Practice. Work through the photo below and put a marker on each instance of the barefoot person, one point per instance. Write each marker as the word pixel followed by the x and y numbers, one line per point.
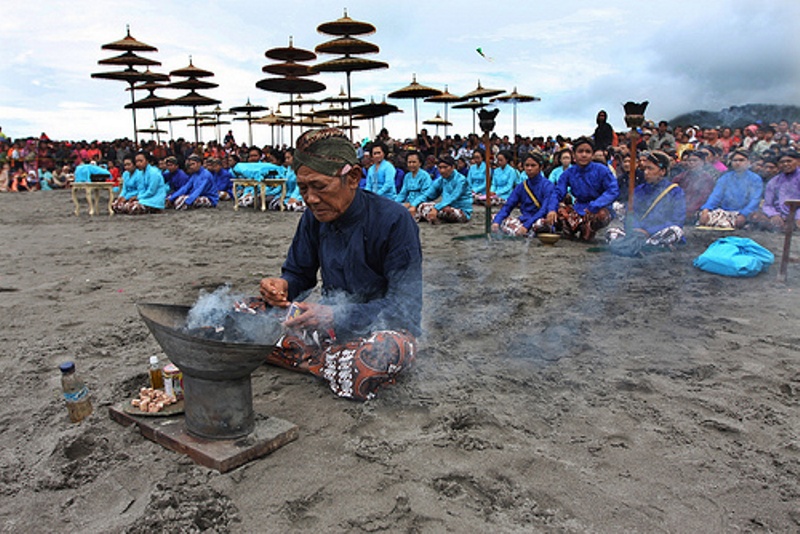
pixel 593 188
pixel 453 192
pixel 367 250
pixel 735 197
pixel 535 197
pixel 659 210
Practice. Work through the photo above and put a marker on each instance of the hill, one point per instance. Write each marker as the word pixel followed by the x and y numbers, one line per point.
pixel 739 116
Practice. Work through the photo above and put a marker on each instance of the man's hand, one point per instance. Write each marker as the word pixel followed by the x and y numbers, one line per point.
pixel 521 231
pixel 495 228
pixel 551 218
pixel 314 317
pixel 275 292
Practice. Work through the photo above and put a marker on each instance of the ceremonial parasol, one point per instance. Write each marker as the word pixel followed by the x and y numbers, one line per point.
pixel 481 92
pixel 438 121
pixel 473 105
pixel 345 28
pixel 249 109
pixel 446 98
pixel 288 68
pixel 151 101
pixel 290 53
pixel 129 59
pixel 192 98
pixel 192 83
pixel 217 112
pixel 169 118
pixel 128 45
pixel 342 98
pixel 373 111
pixel 415 91
pixel 513 98
pixel 152 130
pixel 290 83
pixel 273 119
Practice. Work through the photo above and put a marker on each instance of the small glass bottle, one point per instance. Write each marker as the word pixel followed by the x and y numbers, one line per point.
pixel 156 375
pixel 75 393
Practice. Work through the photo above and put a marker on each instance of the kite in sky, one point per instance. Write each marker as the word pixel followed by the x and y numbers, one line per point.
pixel 484 56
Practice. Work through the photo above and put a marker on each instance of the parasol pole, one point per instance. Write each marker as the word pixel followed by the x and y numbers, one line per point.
pixel 196 133
pixel 250 128
pixel 632 176
pixel 135 128
pixel 349 106
pixel 488 184
pixel 416 125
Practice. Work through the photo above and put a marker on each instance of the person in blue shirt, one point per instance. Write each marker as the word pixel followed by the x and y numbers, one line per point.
pixel 380 177
pixel 659 206
pixel 453 192
pixel 174 176
pixel 735 197
pixel 504 178
pixel 362 332
pixel 416 182
pixel 143 189
pixel 592 189
pixel 535 197
pixel 293 200
pixel 477 177
pixel 222 178
pixel 199 192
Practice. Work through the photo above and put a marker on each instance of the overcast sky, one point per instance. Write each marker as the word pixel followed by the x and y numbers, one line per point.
pixel 578 57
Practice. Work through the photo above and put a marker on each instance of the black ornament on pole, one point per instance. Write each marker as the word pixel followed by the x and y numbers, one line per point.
pixel 487 123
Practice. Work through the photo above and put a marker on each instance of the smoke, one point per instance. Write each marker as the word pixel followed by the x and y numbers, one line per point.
pixel 213 317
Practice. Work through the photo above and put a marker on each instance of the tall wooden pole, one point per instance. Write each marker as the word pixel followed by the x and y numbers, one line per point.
pixel 632 177
pixel 488 183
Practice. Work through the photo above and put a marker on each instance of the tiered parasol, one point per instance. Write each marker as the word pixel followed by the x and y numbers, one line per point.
pixel 438 121
pixel 217 112
pixel 152 130
pixel 415 91
pixel 446 98
pixel 193 98
pixel 349 46
pixel 151 101
pixel 513 98
pixel 169 118
pixel 128 45
pixel 273 119
pixel 294 75
pixel 373 111
pixel 249 109
pixel 473 105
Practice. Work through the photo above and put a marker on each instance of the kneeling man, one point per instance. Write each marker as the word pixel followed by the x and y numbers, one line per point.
pixel 366 248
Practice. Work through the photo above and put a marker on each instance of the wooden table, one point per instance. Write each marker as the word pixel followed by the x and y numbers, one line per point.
pixel 787 239
pixel 262 186
pixel 93 190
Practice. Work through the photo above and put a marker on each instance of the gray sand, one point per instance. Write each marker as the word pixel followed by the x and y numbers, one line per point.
pixel 557 390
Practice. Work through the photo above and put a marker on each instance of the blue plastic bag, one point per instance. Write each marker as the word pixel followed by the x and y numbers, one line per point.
pixel 735 256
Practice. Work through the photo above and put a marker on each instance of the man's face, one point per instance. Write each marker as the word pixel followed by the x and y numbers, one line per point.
pixel 583 155
pixel 769 169
pixel 214 167
pixel 662 128
pixel 253 156
pixel 740 163
pixel 787 164
pixel 328 197
pixel 652 172
pixel 599 157
pixel 172 166
pixel 192 166
pixel 140 161
pixel 694 163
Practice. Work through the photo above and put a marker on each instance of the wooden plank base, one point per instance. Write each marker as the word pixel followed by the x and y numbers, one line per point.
pixel 270 434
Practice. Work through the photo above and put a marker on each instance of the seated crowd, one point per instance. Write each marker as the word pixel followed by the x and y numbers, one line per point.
pixel 715 177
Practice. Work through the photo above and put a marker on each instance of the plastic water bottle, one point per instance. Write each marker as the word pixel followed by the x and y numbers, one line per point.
pixel 75 393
